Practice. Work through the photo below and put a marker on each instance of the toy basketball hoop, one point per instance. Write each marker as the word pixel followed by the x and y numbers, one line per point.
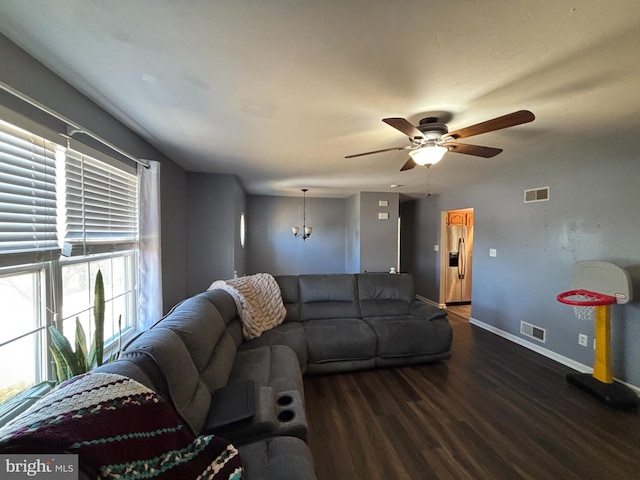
pixel 596 286
pixel 584 302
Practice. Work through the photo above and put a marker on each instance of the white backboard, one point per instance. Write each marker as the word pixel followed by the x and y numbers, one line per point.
pixel 602 277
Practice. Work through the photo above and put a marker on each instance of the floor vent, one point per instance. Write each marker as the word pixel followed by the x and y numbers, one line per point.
pixel 532 331
pixel 540 194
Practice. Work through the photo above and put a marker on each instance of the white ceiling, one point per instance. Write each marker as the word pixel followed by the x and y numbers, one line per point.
pixel 279 91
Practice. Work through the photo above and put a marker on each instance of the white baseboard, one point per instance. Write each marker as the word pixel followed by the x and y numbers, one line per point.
pixel 580 367
pixel 429 302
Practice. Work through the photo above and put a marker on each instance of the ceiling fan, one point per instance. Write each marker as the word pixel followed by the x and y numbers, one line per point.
pixel 431 139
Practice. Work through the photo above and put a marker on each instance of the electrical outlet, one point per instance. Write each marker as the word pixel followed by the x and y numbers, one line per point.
pixel 582 339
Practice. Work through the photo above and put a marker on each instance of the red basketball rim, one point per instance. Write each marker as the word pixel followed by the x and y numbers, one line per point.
pixel 595 300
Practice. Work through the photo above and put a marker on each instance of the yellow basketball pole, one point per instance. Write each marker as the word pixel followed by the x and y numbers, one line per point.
pixel 602 362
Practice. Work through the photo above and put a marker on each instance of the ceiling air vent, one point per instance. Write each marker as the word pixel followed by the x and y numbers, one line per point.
pixel 540 194
pixel 532 331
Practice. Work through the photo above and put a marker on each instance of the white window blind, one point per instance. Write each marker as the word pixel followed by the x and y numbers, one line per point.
pixel 28 230
pixel 100 207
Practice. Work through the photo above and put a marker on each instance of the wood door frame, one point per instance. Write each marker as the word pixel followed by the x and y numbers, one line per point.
pixel 443 256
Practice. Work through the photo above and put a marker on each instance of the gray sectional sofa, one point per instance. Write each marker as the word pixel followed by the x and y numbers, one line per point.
pixel 251 392
pixel 345 322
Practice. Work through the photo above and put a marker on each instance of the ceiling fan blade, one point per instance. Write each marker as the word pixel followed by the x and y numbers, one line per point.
pixel 509 120
pixel 404 126
pixel 378 151
pixel 477 150
pixel 408 165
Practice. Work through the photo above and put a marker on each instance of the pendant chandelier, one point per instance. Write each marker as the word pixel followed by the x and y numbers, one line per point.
pixel 306 230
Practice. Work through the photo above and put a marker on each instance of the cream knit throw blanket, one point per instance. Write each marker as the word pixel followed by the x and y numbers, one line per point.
pixel 258 300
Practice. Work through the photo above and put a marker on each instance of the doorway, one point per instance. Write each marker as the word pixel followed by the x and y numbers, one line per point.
pixel 456 261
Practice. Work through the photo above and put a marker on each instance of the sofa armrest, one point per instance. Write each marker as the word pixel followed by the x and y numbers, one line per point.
pixel 426 311
pixel 232 403
pixel 260 424
pixel 276 414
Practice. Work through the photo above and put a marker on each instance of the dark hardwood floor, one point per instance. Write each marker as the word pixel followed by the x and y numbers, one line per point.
pixel 495 410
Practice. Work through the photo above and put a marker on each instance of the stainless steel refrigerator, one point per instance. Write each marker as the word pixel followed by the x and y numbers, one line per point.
pixel 459 249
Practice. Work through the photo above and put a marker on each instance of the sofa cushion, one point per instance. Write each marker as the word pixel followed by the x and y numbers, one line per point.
pixel 223 302
pixel 409 335
pixel 339 339
pixel 290 334
pixel 163 356
pixel 328 296
pixel 277 458
pixel 290 291
pixel 382 294
pixel 226 307
pixel 275 366
pixel 203 331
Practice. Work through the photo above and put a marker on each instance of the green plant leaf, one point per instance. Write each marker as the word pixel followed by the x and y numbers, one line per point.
pixel 65 358
pixel 98 317
pixel 70 362
pixel 81 348
pixel 115 355
pixel 62 367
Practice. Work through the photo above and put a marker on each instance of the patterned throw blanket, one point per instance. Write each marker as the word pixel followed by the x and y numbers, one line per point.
pixel 120 430
pixel 258 300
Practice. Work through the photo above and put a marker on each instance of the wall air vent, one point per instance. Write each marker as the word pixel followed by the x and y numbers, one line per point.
pixel 540 194
pixel 532 331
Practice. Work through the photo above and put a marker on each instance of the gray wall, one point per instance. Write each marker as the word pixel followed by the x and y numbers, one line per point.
pixel 214 204
pixel 272 248
pixel 378 238
pixel 347 235
pixel 420 230
pixel 592 214
pixel 25 74
pixel 352 232
pixel 173 205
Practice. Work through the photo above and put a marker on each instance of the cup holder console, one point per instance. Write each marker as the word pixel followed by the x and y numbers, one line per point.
pixel 285 400
pixel 286 416
pixel 290 418
pixel 275 414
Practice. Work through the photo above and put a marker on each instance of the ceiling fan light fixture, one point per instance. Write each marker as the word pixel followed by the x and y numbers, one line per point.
pixel 428 155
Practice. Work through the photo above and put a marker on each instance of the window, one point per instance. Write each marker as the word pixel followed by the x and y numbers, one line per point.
pixel 78 278
pixel 243 230
pixel 28 223
pixel 99 212
pixel 63 216
pixel 22 329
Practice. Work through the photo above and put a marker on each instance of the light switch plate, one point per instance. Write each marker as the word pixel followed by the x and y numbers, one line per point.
pixel 383 215
pixel 493 252
pixel 436 248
